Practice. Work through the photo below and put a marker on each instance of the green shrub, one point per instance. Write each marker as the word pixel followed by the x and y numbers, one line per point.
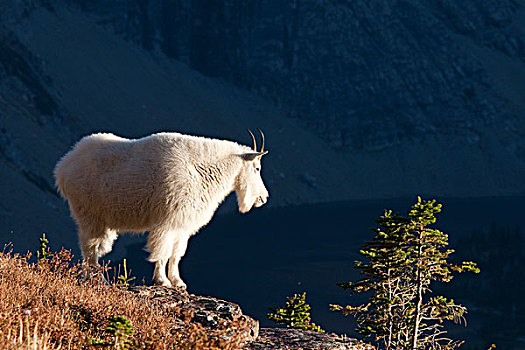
pixel 294 314
pixel 124 279
pixel 44 251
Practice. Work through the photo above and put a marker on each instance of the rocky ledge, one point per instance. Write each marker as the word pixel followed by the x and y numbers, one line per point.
pixel 292 339
pixel 211 312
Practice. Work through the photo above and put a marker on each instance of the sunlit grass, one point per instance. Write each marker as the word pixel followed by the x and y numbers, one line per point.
pixel 48 304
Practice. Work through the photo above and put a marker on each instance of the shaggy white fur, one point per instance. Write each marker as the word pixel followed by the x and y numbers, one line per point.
pixel 168 184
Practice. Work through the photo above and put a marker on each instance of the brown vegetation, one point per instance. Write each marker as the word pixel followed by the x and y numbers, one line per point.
pixel 48 305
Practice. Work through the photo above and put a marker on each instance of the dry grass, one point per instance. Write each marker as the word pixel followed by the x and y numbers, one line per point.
pixel 48 305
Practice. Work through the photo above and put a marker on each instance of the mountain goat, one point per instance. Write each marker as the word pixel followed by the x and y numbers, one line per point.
pixel 167 183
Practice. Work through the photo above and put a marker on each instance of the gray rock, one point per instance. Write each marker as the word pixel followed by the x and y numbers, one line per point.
pixel 206 310
pixel 210 311
pixel 291 339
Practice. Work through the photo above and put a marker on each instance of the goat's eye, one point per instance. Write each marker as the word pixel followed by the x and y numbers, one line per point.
pixel 257 169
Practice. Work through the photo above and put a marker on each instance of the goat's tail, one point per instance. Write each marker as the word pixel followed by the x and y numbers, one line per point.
pixel 60 180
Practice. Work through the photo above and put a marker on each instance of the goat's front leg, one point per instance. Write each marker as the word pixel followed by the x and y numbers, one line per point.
pixel 159 273
pixel 173 272
pixel 179 248
pixel 160 245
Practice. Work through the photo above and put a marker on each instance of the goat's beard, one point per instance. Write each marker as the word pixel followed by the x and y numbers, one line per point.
pixel 243 204
pixel 243 208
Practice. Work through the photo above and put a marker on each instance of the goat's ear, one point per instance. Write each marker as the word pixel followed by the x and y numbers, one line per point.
pixel 252 155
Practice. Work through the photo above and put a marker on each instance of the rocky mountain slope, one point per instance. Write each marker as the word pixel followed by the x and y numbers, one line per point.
pixel 357 99
pixel 364 75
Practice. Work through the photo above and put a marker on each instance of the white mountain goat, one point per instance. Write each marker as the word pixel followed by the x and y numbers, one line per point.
pixel 167 183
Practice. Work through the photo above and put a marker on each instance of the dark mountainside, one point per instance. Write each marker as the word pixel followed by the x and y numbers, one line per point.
pixel 63 76
pixel 365 76
pixel 358 99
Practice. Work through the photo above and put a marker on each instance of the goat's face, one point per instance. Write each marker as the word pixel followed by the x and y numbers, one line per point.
pixel 249 186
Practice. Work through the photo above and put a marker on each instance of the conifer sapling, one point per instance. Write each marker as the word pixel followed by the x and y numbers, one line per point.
pixel 294 314
pixel 400 263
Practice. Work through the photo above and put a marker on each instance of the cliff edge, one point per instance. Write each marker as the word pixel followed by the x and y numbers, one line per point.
pixel 209 312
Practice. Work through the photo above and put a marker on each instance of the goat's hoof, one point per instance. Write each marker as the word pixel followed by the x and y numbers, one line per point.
pixel 178 284
pixel 165 283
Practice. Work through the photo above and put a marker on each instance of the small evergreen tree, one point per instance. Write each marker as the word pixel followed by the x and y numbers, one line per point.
pixel 402 260
pixel 294 314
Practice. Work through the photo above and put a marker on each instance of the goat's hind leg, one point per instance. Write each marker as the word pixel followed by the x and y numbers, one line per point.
pixel 95 242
